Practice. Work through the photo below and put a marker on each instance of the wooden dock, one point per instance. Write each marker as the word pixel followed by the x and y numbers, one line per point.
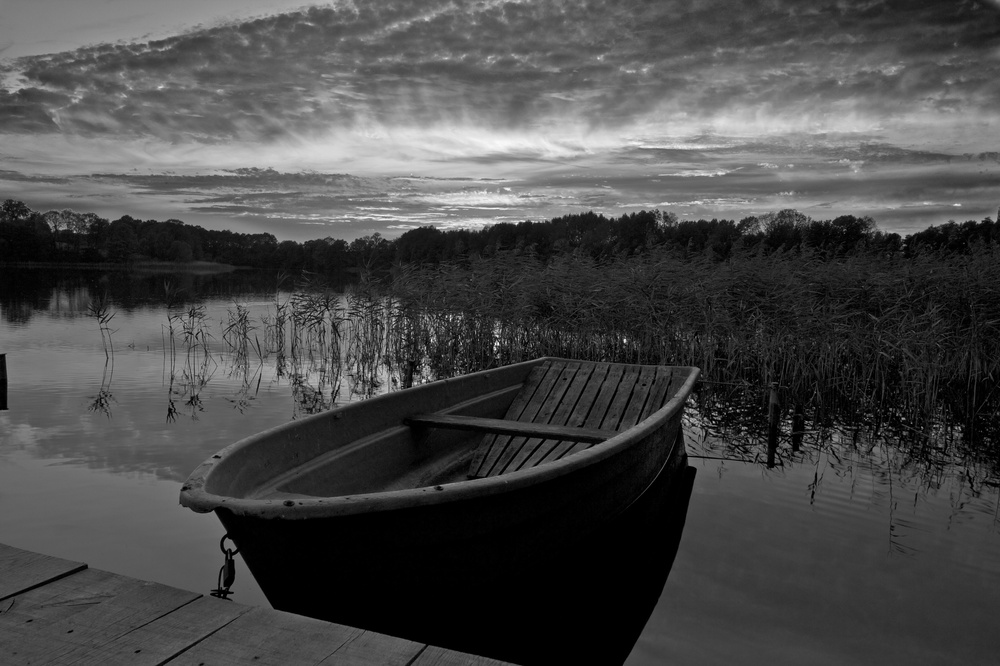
pixel 53 611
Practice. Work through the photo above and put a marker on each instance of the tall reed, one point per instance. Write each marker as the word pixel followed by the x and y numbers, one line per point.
pixel 188 359
pixel 100 309
pixel 903 337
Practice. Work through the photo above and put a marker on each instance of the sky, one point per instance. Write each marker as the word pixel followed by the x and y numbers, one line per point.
pixel 342 119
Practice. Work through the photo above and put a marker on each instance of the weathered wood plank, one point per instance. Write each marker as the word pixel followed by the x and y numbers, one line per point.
pixel 606 393
pixel 659 391
pixel 493 446
pixel 370 648
pixel 560 386
pixel 640 395
pixel 588 398
pixel 435 656
pixel 547 414
pixel 95 617
pixel 573 400
pixel 621 400
pixel 165 637
pixel 490 448
pixel 70 640
pixel 581 412
pixel 573 394
pixel 549 389
pixel 599 409
pixel 61 598
pixel 22 570
pixel 273 637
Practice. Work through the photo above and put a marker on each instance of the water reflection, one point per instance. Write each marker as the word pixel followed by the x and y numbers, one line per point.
pixel 237 341
pixel 188 359
pixel 921 484
pixel 102 402
pixel 28 292
pixel 869 517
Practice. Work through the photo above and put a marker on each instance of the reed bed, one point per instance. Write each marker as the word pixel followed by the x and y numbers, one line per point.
pixel 910 339
pixel 890 351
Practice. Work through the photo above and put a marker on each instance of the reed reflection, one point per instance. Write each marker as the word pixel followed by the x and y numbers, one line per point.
pixel 101 403
pixel 189 361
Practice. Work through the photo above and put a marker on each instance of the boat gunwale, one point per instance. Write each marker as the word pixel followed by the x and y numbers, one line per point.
pixel 194 496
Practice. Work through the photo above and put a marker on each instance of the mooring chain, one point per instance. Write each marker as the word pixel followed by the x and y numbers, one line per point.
pixel 227 574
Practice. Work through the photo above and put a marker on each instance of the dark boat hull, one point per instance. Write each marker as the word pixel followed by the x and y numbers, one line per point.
pixel 523 566
pixel 496 575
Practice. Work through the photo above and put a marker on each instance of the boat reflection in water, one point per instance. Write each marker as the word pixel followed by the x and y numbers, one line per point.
pixel 529 513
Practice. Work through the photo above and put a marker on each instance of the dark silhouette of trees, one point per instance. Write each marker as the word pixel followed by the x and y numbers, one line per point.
pixel 954 238
pixel 24 233
pixel 68 236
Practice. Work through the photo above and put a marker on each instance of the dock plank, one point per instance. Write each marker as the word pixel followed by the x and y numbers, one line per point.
pixel 435 656
pixel 371 649
pixel 265 637
pixel 22 570
pixel 165 637
pixel 61 598
pixel 69 640
pixel 88 617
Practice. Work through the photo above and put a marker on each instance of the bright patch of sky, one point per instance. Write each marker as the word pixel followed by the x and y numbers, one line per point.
pixel 346 118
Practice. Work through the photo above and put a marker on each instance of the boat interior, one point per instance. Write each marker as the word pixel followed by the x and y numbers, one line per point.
pixel 560 408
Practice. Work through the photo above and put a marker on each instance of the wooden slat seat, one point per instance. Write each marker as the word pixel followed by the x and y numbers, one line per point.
pixel 505 427
pixel 563 407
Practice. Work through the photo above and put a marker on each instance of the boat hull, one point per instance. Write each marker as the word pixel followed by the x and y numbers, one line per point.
pixel 523 567
pixel 473 576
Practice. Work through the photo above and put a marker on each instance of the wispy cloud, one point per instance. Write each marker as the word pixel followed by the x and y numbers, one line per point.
pixel 517 64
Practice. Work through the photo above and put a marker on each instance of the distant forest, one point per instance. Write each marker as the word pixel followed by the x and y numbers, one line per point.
pixel 70 237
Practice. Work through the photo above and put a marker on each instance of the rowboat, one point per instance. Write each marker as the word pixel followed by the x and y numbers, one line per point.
pixel 506 512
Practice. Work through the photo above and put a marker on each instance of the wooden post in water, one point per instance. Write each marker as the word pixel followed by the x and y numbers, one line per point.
pixel 3 382
pixel 798 427
pixel 772 430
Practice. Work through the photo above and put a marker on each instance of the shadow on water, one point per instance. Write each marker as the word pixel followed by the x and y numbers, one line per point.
pixel 594 601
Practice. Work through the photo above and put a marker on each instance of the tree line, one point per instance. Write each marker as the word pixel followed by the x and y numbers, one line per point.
pixel 70 237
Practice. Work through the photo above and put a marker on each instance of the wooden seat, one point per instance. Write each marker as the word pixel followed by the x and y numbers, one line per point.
pixel 563 407
pixel 506 427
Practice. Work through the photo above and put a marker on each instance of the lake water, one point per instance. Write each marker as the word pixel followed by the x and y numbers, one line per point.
pixel 854 551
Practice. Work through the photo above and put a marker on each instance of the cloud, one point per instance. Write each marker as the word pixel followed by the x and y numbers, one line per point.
pixel 513 65
pixel 568 104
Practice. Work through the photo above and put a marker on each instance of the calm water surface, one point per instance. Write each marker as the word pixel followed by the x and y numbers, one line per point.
pixel 852 552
